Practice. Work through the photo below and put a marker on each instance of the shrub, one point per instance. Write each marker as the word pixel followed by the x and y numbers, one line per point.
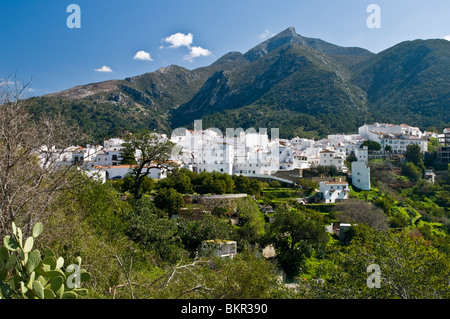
pixel 24 275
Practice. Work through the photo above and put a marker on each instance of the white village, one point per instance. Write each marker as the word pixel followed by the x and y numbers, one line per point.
pixel 254 154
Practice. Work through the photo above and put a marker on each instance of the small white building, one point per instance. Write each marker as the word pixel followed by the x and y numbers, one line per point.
pixel 429 176
pixel 361 175
pixel 221 248
pixel 334 192
pixel 97 175
pixel 361 170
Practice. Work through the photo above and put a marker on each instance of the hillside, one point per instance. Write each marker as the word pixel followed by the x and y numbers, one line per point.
pixel 409 82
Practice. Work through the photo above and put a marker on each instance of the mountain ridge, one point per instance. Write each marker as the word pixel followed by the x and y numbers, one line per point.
pixel 320 87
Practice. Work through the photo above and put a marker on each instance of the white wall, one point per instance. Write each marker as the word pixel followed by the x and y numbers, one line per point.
pixel 332 192
pixel 361 175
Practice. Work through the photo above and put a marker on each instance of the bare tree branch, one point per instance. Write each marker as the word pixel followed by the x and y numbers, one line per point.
pixel 29 174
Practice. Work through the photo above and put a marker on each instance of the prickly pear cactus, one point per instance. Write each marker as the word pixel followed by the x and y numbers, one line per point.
pixel 26 274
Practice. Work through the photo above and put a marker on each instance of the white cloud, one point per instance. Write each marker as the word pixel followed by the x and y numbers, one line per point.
pixel 196 52
pixel 104 69
pixel 143 56
pixel 179 39
pixel 266 34
pixel 6 82
pixel 447 37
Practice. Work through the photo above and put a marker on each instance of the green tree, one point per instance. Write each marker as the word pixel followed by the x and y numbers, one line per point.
pixel 414 155
pixel 332 170
pixel 371 145
pixel 411 171
pixel 295 237
pixel 254 187
pixel 101 207
pixel 433 144
pixel 128 156
pixel 241 183
pixel 251 221
pixel 154 231
pixel 275 184
pixel 349 160
pixel 409 267
pixel 179 180
pixel 307 185
pixel 169 200
pixel 229 183
pixel 153 151
pixel 247 276
pixel 128 184
pixel 193 232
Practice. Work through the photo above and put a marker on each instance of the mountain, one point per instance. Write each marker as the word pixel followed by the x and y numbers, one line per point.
pixel 409 82
pixel 346 56
pixel 304 86
pixel 281 73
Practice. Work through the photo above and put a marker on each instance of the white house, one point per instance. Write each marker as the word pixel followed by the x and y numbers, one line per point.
pixel 362 155
pixel 332 192
pixel 398 137
pixel 399 142
pixel 361 175
pixel 366 129
pixel 410 130
pixel 361 169
pixel 110 155
pixel 332 158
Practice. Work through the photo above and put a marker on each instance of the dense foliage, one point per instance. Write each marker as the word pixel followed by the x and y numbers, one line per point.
pixel 134 249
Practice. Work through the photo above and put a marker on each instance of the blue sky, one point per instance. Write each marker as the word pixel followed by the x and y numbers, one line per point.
pixel 36 44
